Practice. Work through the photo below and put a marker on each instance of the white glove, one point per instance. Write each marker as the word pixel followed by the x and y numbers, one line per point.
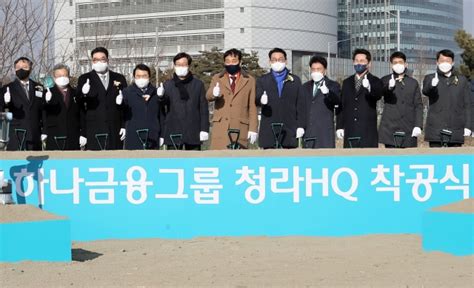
pixel 467 132
pixel 435 80
pixel 299 132
pixel 7 97
pixel 264 98
pixel 48 95
pixel 86 87
pixel 162 141
pixel 340 133
pixel 122 134
pixel 160 91
pixel 391 83
pixel 119 98
pixel 43 137
pixel 324 89
pixel 416 132
pixel 366 83
pixel 82 141
pixel 252 136
pixel 216 91
pixel 203 136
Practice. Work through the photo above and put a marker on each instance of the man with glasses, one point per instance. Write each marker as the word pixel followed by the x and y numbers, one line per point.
pixel 101 92
pixel 282 100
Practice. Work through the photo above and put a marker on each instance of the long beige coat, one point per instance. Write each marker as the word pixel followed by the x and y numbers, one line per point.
pixel 233 110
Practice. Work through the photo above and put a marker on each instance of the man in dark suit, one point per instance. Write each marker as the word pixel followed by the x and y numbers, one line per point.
pixel 323 96
pixel 281 96
pixel 402 116
pixel 449 111
pixel 357 122
pixel 24 99
pixel 101 94
pixel 61 113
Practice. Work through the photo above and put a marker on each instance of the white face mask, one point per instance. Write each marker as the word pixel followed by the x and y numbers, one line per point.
pixel 445 67
pixel 398 68
pixel 278 66
pixel 317 76
pixel 142 83
pixel 100 67
pixel 181 71
pixel 61 81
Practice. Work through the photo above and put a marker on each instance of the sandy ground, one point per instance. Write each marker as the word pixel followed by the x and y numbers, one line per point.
pixel 365 261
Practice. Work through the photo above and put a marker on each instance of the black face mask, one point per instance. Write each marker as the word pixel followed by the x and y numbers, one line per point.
pixel 232 69
pixel 22 74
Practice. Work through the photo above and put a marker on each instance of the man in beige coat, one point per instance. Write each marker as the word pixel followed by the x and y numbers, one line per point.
pixel 233 92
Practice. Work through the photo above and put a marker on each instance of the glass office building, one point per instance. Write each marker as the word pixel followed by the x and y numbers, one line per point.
pixel 426 26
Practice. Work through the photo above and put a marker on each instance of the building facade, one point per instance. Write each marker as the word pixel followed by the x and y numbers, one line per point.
pixel 153 31
pixel 426 26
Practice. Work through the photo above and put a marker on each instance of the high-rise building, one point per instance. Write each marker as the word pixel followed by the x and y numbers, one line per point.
pixel 426 26
pixel 153 31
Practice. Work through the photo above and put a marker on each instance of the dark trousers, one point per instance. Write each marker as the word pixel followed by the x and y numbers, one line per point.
pixel 438 144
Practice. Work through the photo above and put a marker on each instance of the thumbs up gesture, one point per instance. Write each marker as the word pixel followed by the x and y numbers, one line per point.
pixel 7 96
pixel 324 89
pixel 217 90
pixel 366 83
pixel 264 98
pixel 160 90
pixel 48 95
pixel 435 80
pixel 391 82
pixel 119 98
pixel 86 87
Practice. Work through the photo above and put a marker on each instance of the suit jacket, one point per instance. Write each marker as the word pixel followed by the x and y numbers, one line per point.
pixel 358 117
pixel 62 119
pixel 449 107
pixel 141 114
pixel 320 118
pixel 27 115
pixel 402 111
pixel 186 117
pixel 289 109
pixel 233 110
pixel 102 115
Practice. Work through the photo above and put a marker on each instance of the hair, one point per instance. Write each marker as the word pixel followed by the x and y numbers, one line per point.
pixel 318 59
pixel 362 51
pixel 61 66
pixel 445 53
pixel 276 50
pixel 183 55
pixel 142 67
pixel 233 52
pixel 23 59
pixel 100 49
pixel 398 54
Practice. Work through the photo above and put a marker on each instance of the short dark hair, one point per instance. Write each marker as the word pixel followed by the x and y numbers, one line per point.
pixel 398 54
pixel 100 49
pixel 445 53
pixel 23 59
pixel 318 59
pixel 233 52
pixel 362 51
pixel 142 67
pixel 276 50
pixel 183 55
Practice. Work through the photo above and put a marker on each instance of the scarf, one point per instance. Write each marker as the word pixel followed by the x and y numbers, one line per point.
pixel 184 95
pixel 280 79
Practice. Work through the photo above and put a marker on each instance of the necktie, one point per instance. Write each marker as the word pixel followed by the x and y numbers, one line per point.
pixel 358 83
pixel 25 87
pixel 66 98
pixel 104 80
pixel 232 83
pixel 315 89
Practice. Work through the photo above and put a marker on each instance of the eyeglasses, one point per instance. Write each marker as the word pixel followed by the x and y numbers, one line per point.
pixel 102 60
pixel 281 60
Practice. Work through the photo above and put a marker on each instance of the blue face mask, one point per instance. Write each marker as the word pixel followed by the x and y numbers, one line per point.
pixel 360 68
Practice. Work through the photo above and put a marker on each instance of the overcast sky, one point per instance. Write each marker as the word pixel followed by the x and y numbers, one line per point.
pixel 468 13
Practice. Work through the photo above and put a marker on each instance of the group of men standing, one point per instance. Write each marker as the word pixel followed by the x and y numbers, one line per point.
pixel 103 113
